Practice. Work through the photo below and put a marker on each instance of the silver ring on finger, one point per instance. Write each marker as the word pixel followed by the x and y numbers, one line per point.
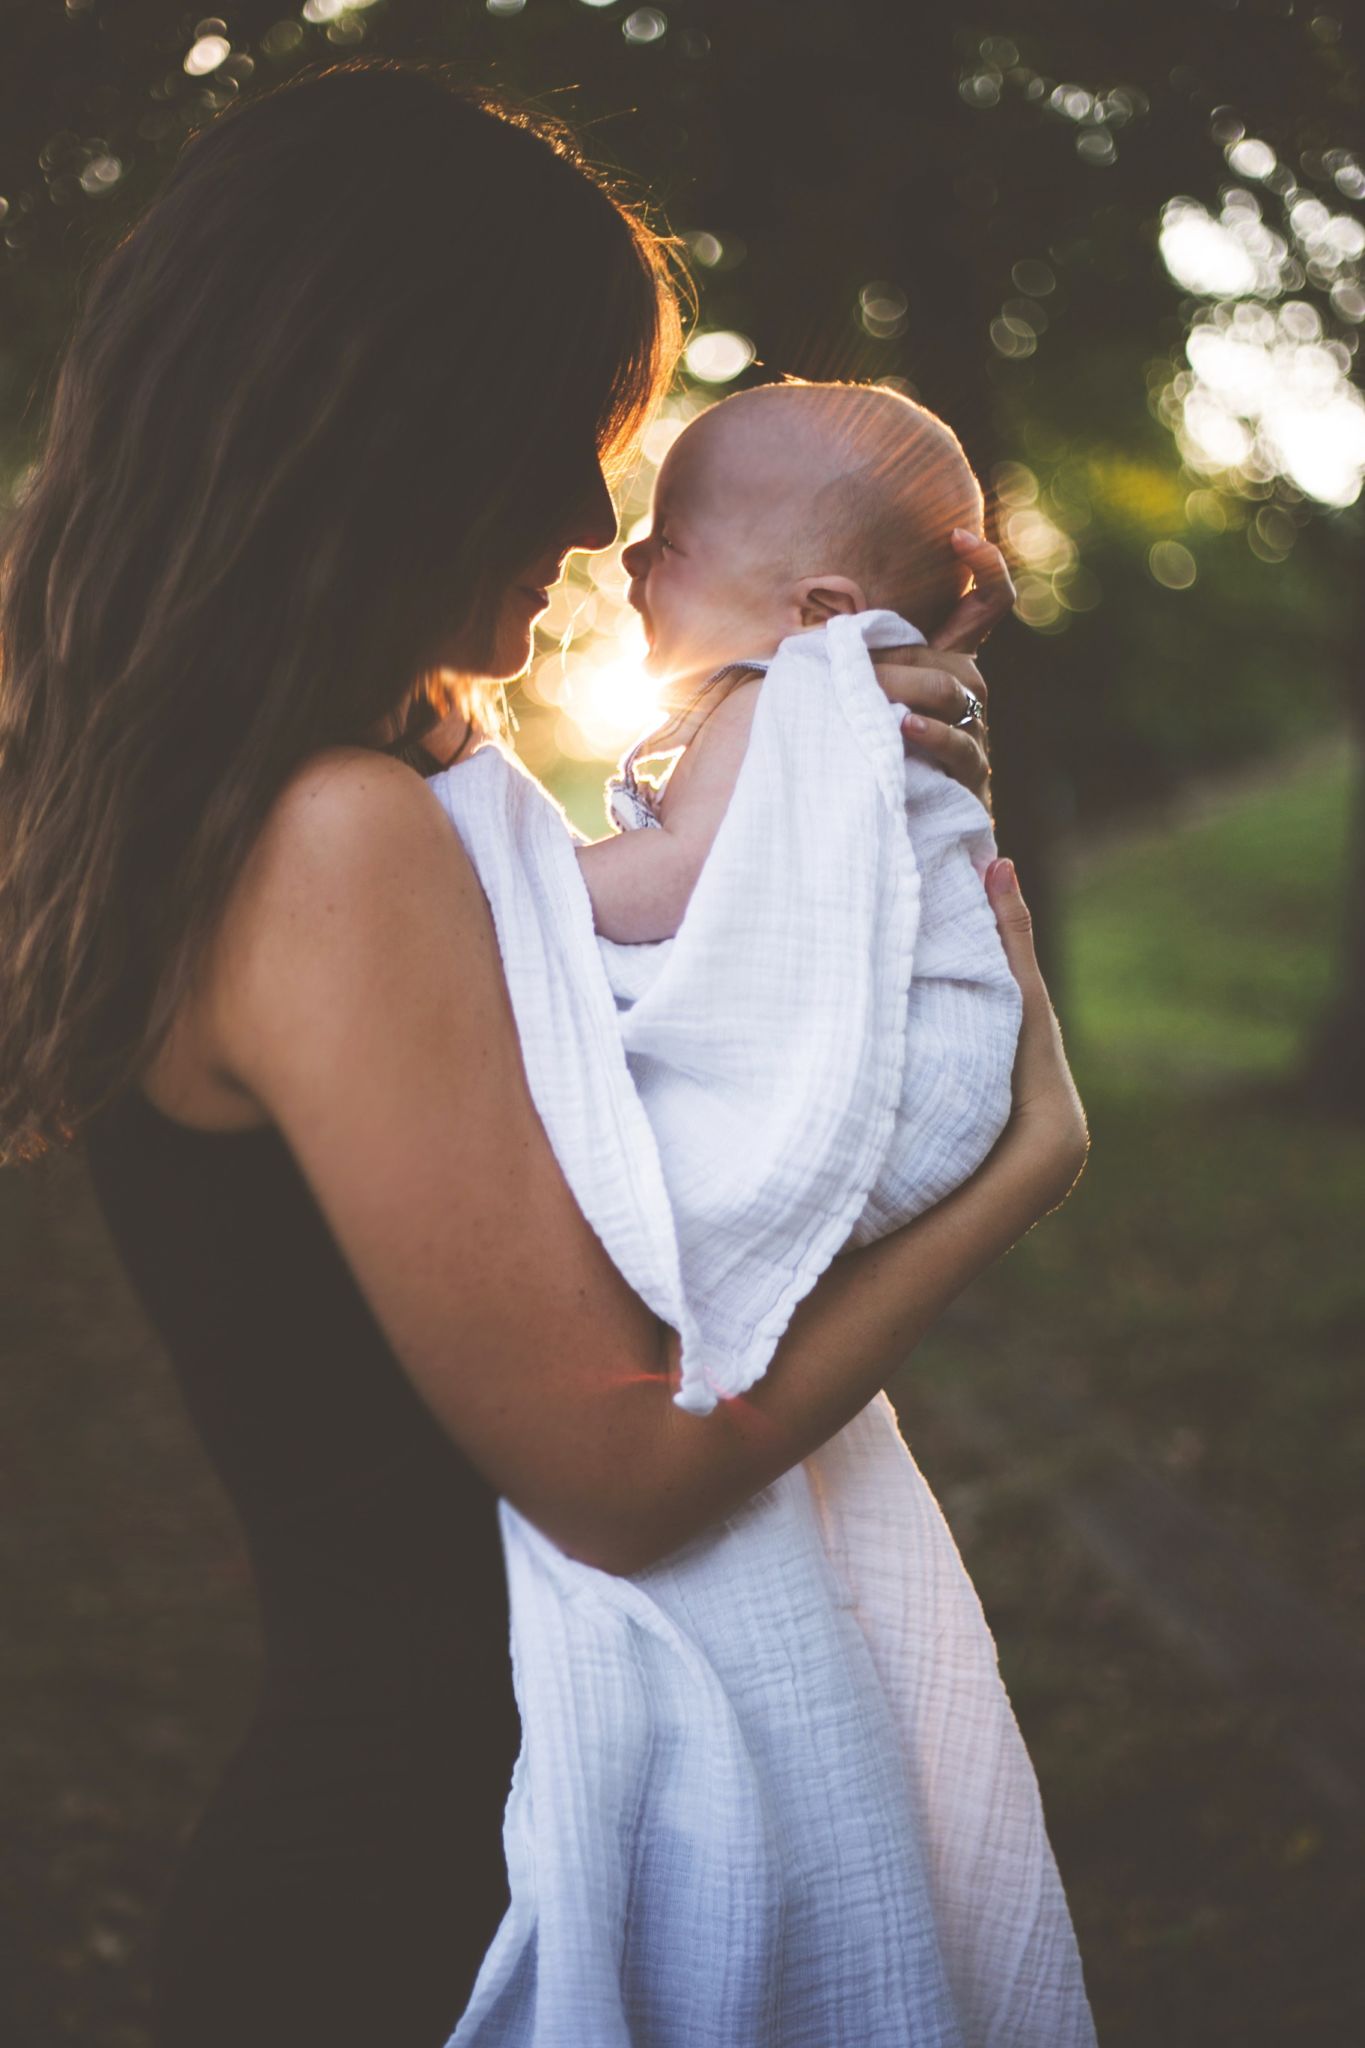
pixel 974 714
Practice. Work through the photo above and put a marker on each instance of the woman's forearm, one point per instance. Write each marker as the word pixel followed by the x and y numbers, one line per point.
pixel 866 1313
pixel 872 1306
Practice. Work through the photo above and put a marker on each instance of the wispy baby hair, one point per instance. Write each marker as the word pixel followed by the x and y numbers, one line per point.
pixel 891 483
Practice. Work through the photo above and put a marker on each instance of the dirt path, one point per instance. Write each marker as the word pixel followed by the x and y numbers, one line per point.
pixel 1190 1575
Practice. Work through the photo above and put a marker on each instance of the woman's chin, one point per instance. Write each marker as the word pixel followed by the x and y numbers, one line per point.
pixel 511 658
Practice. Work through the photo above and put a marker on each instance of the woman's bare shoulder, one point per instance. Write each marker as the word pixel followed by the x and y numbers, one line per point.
pixel 355 873
pixel 362 1005
pixel 348 822
pixel 346 802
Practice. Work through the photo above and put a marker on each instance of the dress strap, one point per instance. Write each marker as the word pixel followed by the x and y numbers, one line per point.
pixel 640 798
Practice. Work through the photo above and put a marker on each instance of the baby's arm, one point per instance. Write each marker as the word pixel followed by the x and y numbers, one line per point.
pixel 641 881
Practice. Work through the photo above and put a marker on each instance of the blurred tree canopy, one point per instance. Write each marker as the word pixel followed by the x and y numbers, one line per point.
pixel 971 203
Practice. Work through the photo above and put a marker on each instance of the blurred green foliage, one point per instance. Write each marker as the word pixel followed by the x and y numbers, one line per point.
pixel 969 204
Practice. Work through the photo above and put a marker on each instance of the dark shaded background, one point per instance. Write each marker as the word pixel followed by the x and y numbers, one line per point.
pixel 1144 1425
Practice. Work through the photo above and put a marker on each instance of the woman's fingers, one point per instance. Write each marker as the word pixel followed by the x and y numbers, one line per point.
pixel 926 679
pixel 1044 1090
pixel 935 690
pixel 1014 921
pixel 958 752
pixel 991 596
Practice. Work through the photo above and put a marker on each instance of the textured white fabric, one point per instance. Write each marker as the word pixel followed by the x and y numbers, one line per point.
pixel 771 1792
pixel 806 1088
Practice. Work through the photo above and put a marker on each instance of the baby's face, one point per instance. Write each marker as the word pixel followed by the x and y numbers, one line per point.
pixel 710 579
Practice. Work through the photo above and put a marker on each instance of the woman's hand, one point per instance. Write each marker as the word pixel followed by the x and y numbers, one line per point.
pixel 991 596
pixel 1047 1112
pixel 936 684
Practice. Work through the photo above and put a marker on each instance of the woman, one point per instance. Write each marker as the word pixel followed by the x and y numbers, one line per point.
pixel 331 419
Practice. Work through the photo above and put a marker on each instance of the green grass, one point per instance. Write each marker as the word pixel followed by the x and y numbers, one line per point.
pixel 1201 1298
pixel 1204 1285
pixel 1206 951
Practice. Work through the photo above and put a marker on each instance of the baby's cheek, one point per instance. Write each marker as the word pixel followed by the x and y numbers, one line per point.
pixel 683 597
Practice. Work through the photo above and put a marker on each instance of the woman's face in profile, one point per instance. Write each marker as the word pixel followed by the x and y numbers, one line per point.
pixel 587 525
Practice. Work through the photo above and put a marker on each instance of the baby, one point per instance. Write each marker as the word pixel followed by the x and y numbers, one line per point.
pixel 774 511
pixel 771 1792
pixel 796 528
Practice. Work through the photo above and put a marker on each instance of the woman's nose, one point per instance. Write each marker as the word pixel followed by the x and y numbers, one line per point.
pixel 594 516
pixel 635 559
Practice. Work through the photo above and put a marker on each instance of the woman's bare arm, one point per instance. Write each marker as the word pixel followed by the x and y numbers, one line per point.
pixel 872 1306
pixel 356 992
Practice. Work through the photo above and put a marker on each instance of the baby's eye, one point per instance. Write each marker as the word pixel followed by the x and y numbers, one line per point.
pixel 664 541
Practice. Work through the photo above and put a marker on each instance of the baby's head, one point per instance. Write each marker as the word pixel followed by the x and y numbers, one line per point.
pixel 784 505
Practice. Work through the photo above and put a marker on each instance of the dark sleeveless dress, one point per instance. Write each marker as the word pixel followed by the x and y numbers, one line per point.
pixel 348 1875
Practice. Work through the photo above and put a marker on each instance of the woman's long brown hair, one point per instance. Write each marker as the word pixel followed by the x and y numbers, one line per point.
pixel 329 392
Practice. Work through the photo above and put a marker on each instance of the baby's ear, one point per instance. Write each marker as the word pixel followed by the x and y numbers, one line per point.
pixel 821 598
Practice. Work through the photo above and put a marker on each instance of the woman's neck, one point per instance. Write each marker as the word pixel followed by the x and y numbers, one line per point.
pixel 440 743
pixel 452 736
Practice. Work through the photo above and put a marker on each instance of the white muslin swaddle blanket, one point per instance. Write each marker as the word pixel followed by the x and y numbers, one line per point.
pixel 771 1792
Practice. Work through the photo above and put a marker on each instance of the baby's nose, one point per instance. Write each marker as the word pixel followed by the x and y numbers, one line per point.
pixel 635 558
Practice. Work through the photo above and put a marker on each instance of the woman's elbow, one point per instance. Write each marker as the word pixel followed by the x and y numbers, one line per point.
pixel 617 1561
pixel 621 1549
pixel 623 1538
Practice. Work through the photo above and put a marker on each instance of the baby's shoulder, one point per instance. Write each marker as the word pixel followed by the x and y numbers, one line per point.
pixel 724 732
pixel 734 713
pixel 708 765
